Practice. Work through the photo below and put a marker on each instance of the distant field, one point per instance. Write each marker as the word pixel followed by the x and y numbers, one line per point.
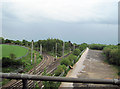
pixel 8 49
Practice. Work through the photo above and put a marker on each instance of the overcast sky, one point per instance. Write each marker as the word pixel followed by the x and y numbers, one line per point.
pixel 90 21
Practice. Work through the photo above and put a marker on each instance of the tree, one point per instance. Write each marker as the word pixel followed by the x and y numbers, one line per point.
pixel 24 42
pixel 2 41
pixel 12 56
pixel 18 42
pixel 7 41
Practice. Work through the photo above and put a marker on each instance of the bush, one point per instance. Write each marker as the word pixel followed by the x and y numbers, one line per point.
pixel 71 58
pixel 76 52
pixel 65 61
pixel 106 51
pixel 12 56
pixel 97 46
pixel 40 56
pixel 112 54
pixel 6 62
pixel 83 46
pixel 60 69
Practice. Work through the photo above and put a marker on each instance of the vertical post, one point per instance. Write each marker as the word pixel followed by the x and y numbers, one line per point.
pixel 24 84
pixel 73 47
pixel 56 50
pixel 53 50
pixel 32 52
pixel 70 49
pixel 34 63
pixel 41 49
pixel 34 67
pixel 63 49
pixel 27 44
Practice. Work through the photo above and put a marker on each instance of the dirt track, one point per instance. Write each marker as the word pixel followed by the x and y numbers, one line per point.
pixel 93 67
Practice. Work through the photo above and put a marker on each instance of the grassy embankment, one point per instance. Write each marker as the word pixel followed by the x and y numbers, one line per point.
pixel 18 51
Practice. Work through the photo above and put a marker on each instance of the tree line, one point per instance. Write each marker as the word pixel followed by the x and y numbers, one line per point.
pixel 48 45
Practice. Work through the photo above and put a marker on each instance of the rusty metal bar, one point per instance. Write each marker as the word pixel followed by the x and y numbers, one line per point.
pixel 58 79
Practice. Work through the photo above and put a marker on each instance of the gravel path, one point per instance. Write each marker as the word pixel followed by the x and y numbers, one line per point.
pixel 91 65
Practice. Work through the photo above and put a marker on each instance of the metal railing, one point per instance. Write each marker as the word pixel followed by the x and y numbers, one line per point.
pixel 26 77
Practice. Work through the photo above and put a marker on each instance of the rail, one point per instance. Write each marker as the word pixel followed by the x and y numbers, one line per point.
pixel 26 77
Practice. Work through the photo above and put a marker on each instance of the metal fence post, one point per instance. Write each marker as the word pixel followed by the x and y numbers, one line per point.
pixel 24 83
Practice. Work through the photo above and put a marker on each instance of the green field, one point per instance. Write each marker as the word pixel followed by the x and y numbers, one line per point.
pixel 8 49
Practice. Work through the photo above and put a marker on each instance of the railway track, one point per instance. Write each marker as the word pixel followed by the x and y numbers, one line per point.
pixel 39 69
pixel 47 62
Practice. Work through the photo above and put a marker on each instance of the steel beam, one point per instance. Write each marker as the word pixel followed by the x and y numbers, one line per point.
pixel 58 79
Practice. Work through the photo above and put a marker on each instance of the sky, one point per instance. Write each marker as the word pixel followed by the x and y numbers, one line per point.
pixel 78 21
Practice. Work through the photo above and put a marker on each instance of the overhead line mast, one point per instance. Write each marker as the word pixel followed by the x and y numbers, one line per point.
pixel 32 53
pixel 56 50
pixel 63 48
pixel 41 49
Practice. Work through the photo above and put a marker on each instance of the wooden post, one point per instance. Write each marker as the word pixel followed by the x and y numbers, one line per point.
pixel 24 83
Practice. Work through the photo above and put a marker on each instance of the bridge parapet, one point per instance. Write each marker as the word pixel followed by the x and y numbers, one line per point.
pixel 25 77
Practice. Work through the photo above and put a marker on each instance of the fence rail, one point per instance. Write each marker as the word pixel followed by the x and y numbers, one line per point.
pixel 26 77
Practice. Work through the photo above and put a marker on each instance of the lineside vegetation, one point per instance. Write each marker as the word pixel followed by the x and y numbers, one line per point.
pixel 111 52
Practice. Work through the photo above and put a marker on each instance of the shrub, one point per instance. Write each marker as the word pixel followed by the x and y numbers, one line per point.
pixel 12 56
pixel 65 61
pixel 40 56
pixel 106 51
pixel 60 69
pixel 76 52
pixel 83 46
pixel 97 46
pixel 72 57
pixel 6 62
pixel 112 54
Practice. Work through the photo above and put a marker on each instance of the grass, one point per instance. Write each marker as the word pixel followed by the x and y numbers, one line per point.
pixel 8 49
pixel 27 61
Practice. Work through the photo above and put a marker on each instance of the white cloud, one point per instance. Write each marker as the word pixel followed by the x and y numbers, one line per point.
pixel 62 10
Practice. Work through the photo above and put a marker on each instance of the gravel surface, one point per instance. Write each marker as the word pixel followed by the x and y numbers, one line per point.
pixel 94 67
